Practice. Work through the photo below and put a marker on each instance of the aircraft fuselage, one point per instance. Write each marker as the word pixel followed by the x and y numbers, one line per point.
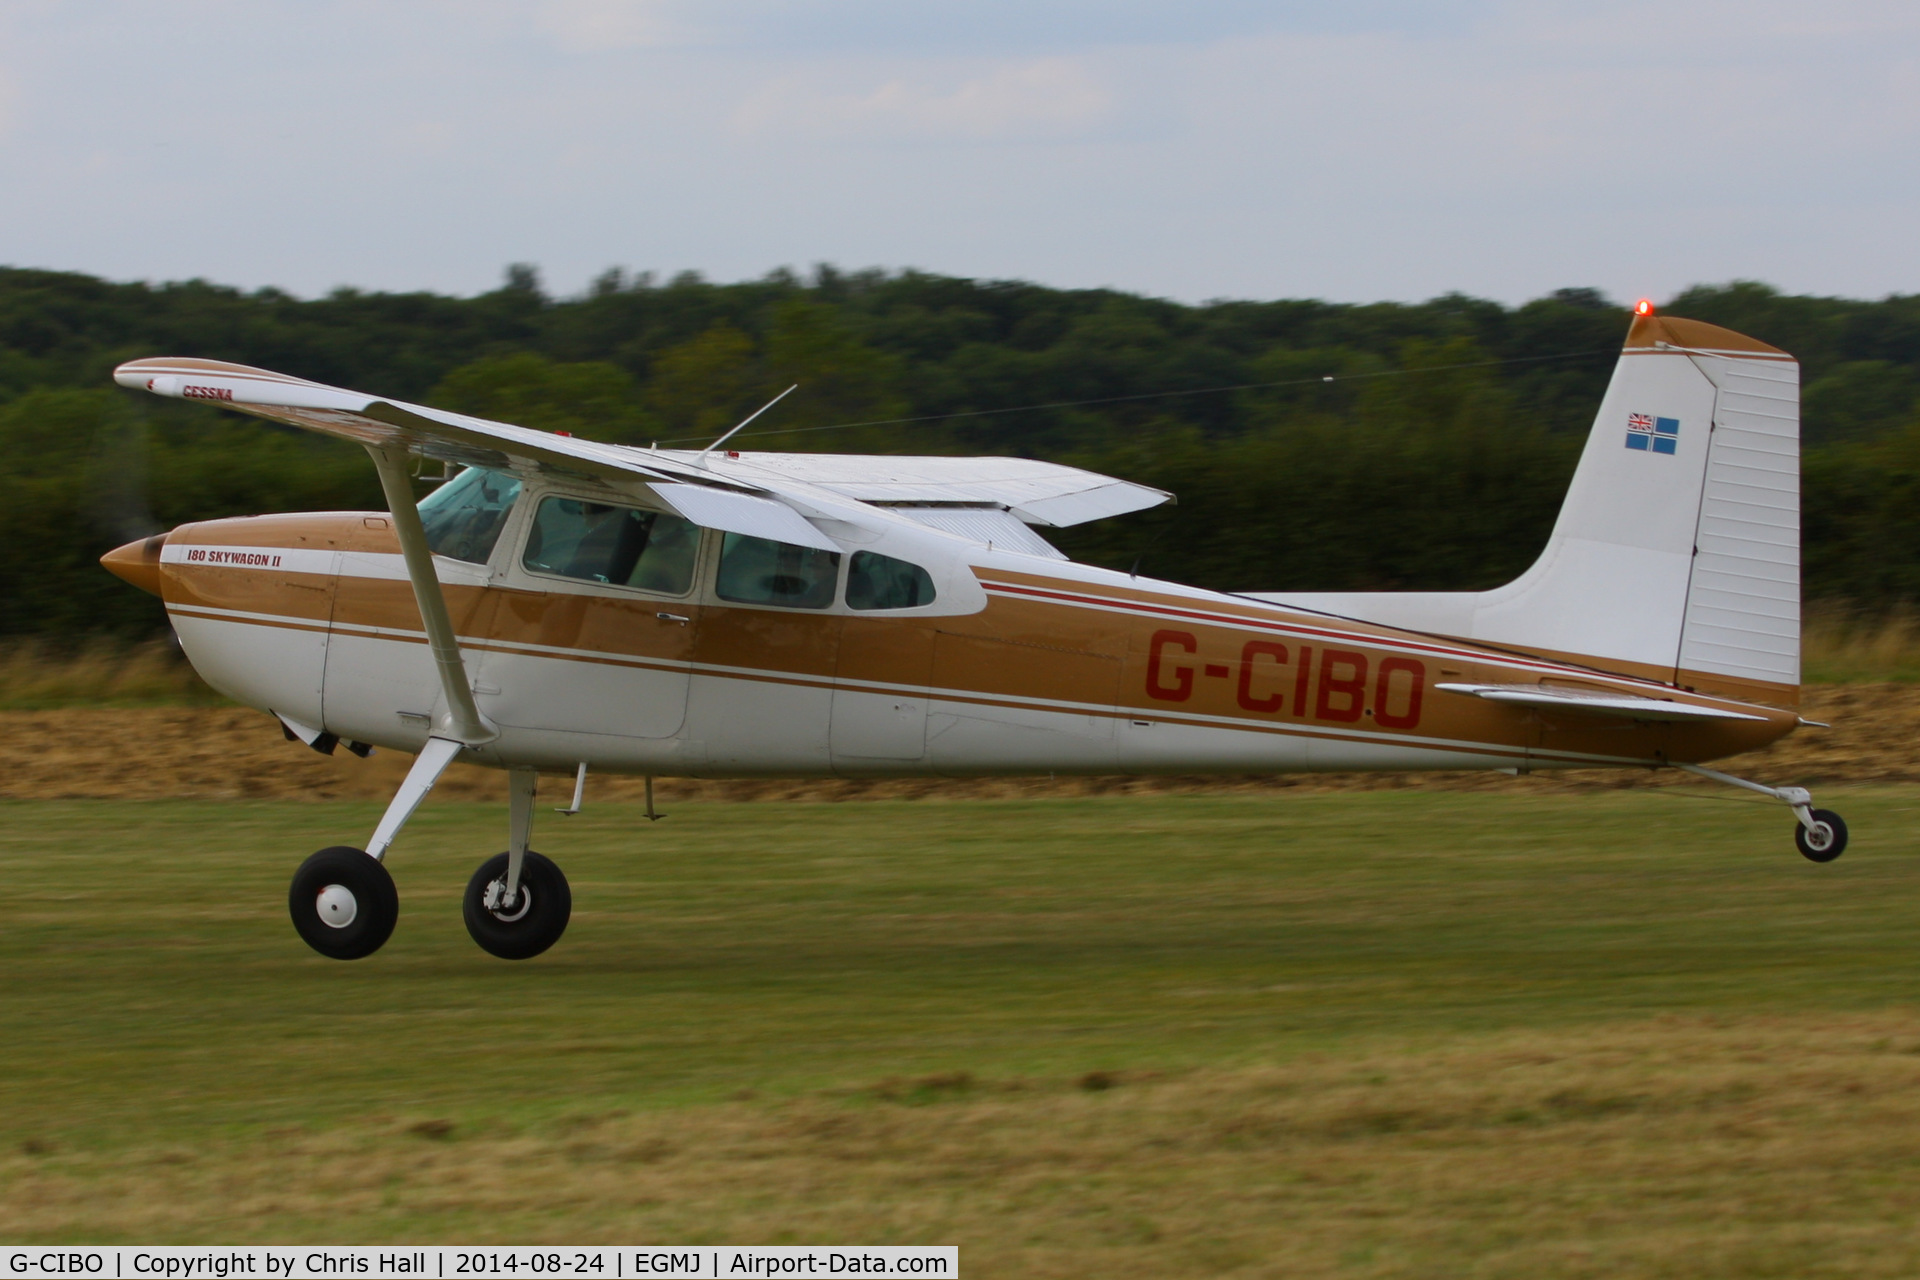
pixel 1026 665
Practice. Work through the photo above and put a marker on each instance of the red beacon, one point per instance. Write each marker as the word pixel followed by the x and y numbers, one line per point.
pixel 1644 307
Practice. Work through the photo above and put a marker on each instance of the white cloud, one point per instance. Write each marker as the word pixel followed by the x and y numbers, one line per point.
pixel 592 26
pixel 1047 98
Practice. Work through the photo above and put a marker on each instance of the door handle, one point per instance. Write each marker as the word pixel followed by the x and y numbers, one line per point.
pixel 680 618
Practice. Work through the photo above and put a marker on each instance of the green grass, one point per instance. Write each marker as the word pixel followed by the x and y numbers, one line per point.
pixel 767 961
pixel 786 948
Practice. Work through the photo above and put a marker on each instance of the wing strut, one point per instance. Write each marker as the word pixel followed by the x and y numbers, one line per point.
pixel 463 722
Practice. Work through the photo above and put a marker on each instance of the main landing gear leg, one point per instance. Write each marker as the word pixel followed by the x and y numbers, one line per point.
pixel 1821 835
pixel 521 785
pixel 342 899
pixel 518 904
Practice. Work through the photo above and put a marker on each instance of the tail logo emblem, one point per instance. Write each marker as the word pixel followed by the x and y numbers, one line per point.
pixel 1652 435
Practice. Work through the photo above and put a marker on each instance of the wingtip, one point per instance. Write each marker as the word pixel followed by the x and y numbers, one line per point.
pixel 137 373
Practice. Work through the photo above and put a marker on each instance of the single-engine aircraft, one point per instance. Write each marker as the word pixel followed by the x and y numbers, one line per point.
pixel 563 605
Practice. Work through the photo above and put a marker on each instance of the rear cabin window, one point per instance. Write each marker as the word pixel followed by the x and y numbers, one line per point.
pixel 760 571
pixel 875 581
pixel 464 516
pixel 620 546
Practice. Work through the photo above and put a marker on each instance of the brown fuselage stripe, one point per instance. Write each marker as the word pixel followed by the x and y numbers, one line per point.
pixel 964 697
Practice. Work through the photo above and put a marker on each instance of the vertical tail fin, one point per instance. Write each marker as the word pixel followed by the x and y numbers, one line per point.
pixel 1677 552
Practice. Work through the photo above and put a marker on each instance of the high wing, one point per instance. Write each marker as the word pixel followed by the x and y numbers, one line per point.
pixel 763 494
pixel 1594 702
pixel 453 437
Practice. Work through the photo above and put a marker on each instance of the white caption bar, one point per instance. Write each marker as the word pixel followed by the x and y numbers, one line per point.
pixel 440 1262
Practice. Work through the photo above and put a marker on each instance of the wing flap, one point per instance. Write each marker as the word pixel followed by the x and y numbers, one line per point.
pixel 1595 703
pixel 989 525
pixel 743 513
pixel 1044 493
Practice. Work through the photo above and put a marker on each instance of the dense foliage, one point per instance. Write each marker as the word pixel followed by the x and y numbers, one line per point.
pixel 1354 446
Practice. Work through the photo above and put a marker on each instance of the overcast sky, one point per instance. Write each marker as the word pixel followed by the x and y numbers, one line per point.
pixel 1348 149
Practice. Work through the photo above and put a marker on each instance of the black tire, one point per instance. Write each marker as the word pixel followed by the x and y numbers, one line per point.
pixel 374 904
pixel 1833 848
pixel 539 916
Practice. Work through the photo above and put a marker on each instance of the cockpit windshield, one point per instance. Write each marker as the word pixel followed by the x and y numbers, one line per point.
pixel 464 516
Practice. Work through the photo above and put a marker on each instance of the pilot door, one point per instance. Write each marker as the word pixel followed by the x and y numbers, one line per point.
pixel 592 627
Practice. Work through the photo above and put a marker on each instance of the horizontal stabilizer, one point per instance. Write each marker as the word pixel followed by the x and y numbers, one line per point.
pixel 1593 702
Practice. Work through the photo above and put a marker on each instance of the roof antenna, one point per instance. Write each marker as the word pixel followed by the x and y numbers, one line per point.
pixel 702 458
pixel 1149 545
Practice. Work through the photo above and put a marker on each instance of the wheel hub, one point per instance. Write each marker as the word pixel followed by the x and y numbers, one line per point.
pixel 336 906
pixel 501 910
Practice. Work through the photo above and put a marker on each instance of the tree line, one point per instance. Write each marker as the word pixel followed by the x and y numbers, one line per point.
pixel 1312 445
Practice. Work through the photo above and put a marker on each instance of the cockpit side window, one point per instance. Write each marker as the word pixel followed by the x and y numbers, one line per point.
pixel 621 546
pixel 875 581
pixel 759 571
pixel 464 516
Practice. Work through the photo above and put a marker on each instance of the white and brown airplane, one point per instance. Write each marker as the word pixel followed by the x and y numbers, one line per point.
pixel 562 605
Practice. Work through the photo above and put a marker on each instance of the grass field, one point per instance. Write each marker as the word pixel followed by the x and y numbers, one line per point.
pixel 1364 1034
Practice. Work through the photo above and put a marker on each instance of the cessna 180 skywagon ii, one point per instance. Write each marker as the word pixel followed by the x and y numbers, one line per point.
pixel 563 605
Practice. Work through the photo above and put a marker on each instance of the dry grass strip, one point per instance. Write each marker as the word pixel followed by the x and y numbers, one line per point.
pixel 1678 1147
pixel 220 753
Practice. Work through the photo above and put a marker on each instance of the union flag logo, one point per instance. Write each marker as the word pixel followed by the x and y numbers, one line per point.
pixel 1653 435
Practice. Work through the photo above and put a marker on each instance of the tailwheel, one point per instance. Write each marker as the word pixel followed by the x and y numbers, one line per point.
pixel 528 923
pixel 343 903
pixel 1825 841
